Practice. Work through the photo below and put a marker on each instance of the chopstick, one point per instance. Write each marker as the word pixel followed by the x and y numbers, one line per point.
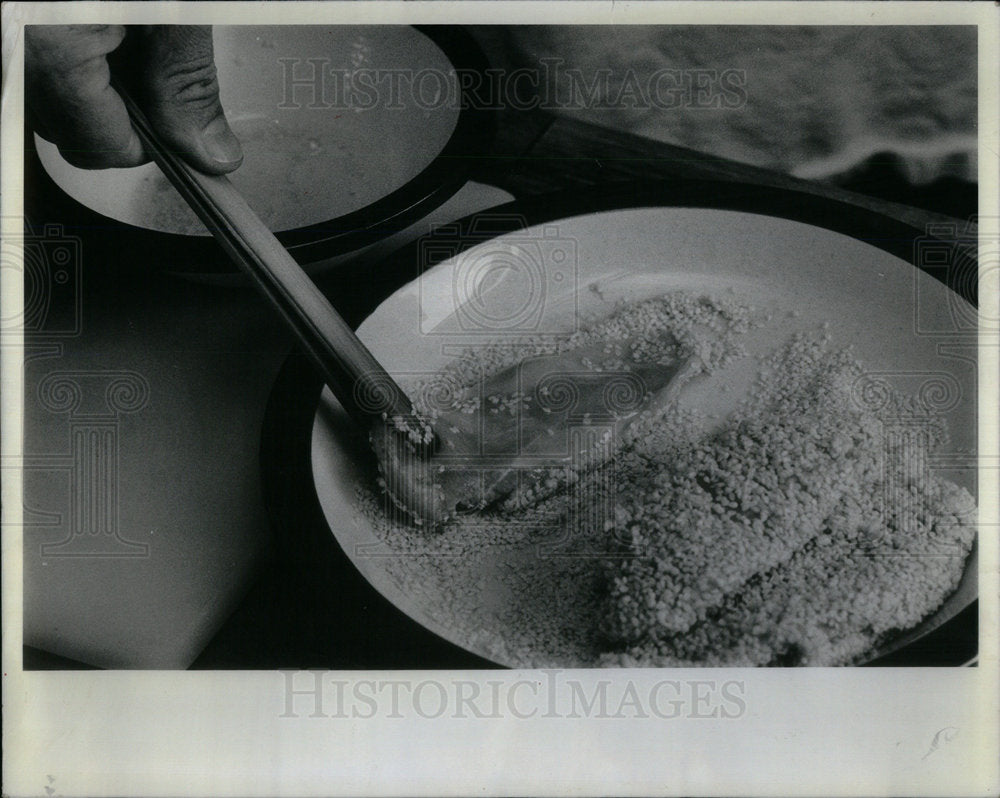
pixel 356 378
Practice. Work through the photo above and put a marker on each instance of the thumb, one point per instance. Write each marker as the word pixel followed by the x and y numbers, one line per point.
pixel 180 91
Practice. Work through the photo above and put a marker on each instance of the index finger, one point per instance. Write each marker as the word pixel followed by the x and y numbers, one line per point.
pixel 69 93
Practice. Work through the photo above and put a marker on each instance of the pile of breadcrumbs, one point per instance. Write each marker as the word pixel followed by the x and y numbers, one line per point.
pixel 806 530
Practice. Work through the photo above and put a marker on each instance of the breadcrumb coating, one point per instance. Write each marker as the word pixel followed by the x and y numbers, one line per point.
pixel 803 532
pixel 806 530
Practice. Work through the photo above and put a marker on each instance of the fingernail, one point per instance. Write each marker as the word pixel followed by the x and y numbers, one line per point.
pixel 221 143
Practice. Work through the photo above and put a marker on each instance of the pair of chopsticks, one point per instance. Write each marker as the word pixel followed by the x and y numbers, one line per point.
pixel 342 359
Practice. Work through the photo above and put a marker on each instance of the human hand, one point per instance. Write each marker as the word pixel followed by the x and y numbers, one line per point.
pixel 170 69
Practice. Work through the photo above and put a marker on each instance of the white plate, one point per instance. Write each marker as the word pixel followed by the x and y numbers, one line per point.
pixel 894 316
